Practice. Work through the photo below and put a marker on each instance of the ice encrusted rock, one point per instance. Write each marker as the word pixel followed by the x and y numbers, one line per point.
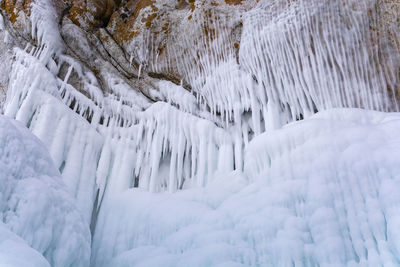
pixel 320 192
pixel 35 205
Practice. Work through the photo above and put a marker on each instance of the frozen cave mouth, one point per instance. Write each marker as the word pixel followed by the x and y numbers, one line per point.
pixel 199 133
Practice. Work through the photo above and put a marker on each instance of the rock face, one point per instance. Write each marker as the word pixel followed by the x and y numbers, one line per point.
pixel 149 38
pixel 134 35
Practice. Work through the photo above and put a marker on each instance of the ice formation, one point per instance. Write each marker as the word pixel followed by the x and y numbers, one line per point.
pixel 265 189
pixel 306 198
pixel 278 76
pixel 35 205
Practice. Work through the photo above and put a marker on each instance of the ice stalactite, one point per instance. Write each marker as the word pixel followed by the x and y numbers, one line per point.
pixel 309 199
pixel 290 48
pixel 35 97
pixel 212 70
pixel 103 144
pixel 276 75
pixel 45 31
pixel 277 71
pixel 191 143
pixel 107 139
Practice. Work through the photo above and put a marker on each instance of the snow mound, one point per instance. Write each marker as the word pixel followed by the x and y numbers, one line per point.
pixel 319 192
pixel 35 205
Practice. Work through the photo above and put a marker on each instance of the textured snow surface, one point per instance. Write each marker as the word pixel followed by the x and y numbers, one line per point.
pixel 15 252
pixel 35 205
pixel 320 192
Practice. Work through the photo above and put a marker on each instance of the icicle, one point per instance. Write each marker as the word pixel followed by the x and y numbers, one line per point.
pixel 70 69
pixel 2 26
pixel 140 70
pixel 103 169
pixel 225 158
pixel 155 156
pixel 130 60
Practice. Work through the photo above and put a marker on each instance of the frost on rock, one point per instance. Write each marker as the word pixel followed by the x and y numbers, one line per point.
pixel 306 198
pixel 35 205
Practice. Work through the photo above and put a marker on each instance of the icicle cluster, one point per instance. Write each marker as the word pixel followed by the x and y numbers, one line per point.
pixel 315 55
pixel 280 72
pixel 110 141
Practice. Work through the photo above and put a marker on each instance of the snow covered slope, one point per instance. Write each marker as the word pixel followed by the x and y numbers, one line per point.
pixel 320 192
pixel 35 205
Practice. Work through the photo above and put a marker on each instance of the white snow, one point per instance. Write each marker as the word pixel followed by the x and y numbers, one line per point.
pixel 320 192
pixel 15 252
pixel 35 205
pixel 44 21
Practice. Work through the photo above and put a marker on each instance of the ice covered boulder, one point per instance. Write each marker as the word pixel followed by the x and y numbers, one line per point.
pixel 35 205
